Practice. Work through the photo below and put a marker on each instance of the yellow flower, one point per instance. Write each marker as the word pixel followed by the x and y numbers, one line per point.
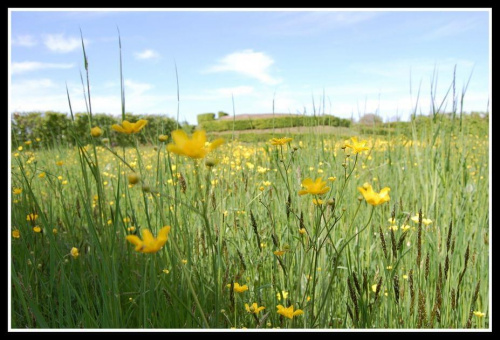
pixel 184 261
pixel 149 244
pixel 356 146
pixel 38 139
pixel 54 231
pixel 289 312
pixel 426 221
pixel 18 191
pixel 37 229
pixel 279 252
pixel 405 227
pixel 479 314
pixel 31 217
pixel 96 131
pixel 128 127
pixel 41 175
pixel 16 233
pixel 194 147
pixel 166 271
pixel 74 252
pixel 162 138
pixel 59 163
pixel 332 178
pixel 28 142
pixel 238 288
pixel 302 231
pixel 372 197
pixel 374 288
pixel 254 308
pixel 317 201
pixel 392 221
pixel 20 148
pixel 281 141
pixel 317 187
pixel 285 295
pixel 393 227
pixel 131 229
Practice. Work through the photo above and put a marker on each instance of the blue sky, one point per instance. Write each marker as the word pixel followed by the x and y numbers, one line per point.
pixel 354 62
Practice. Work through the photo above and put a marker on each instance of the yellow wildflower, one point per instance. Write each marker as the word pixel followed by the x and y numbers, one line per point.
pixel 149 244
pixel 74 252
pixel 238 288
pixel 317 201
pixel 166 271
pixel 194 147
pixel 59 163
pixel 162 138
pixel 254 308
pixel 317 187
pixel 31 217
pixel 279 252
pixel 128 127
pixel 41 175
pixel 479 314
pixel 16 233
pixel 280 141
pixel 356 146
pixel 302 231
pixel 372 197
pixel 285 295
pixel 405 227
pixel 54 231
pixel 332 178
pixel 374 288
pixel 96 131
pixel 18 191
pixel 288 312
pixel 28 142
pixel 37 229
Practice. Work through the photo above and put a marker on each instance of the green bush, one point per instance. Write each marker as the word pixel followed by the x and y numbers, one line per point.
pixel 269 123
pixel 205 117
pixel 222 114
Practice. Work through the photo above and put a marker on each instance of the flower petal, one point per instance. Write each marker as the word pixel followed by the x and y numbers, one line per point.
pixel 118 128
pixel 216 143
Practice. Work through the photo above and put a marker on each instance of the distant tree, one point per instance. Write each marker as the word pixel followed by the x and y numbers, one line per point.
pixel 370 119
pixel 222 114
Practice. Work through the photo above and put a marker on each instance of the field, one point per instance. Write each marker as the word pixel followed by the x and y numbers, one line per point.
pixel 337 256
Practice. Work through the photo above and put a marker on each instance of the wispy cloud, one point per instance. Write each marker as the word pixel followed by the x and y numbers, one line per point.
pixel 238 90
pixel 28 66
pixel 312 22
pixel 24 40
pixel 61 44
pixel 455 27
pixel 248 63
pixel 136 88
pixel 147 54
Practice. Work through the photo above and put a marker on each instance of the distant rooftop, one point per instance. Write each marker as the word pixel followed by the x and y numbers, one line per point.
pixel 258 116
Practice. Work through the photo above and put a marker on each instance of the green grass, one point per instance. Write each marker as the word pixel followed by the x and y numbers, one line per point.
pixel 111 286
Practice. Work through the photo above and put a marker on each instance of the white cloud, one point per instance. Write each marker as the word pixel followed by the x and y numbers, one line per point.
pixel 147 54
pixel 136 89
pixel 249 63
pixel 455 27
pixel 238 90
pixel 59 43
pixel 27 66
pixel 24 40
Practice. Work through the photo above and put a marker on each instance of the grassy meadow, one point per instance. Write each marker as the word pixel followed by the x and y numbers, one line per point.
pixel 240 233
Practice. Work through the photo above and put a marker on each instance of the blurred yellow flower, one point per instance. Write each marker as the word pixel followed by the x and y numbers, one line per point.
pixel 149 244
pixel 372 197
pixel 18 191
pixel 289 312
pixel 31 217
pixel 317 201
pixel 302 231
pixel 280 141
pixel 356 146
pixel 166 271
pixel 238 288
pixel 405 227
pixel 28 142
pixel 74 252
pixel 37 229
pixel 332 178
pixel 16 233
pixel 41 175
pixel 96 131
pixel 279 252
pixel 479 314
pixel 54 231
pixel 192 147
pixel 162 138
pixel 133 178
pixel 59 163
pixel 317 187
pixel 254 308
pixel 425 221
pixel 285 295
pixel 128 127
